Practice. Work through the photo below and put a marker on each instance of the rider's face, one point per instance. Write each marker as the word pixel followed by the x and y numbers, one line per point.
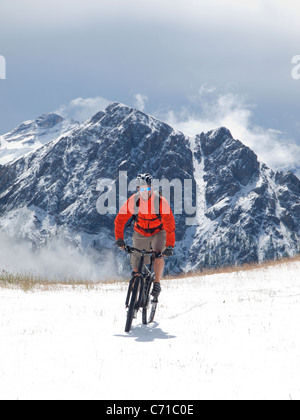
pixel 144 193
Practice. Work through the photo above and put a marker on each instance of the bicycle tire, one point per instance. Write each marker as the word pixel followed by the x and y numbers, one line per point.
pixel 149 309
pixel 132 305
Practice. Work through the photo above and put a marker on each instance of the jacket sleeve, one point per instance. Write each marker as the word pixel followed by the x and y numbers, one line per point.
pixel 168 222
pixel 126 211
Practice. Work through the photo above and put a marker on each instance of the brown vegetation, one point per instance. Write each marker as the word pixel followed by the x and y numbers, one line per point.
pixel 237 268
pixel 28 282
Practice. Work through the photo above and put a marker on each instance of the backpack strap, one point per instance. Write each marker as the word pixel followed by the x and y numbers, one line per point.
pixel 158 214
pixel 134 218
pixel 137 201
pixel 151 230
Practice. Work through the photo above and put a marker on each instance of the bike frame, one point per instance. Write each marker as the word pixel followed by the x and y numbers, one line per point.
pixel 138 295
pixel 143 271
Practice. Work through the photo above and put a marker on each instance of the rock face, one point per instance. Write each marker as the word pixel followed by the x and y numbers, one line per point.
pixel 251 213
pixel 245 211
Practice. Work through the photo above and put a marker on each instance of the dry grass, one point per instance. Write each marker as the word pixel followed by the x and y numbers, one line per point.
pixel 30 283
pixel 234 269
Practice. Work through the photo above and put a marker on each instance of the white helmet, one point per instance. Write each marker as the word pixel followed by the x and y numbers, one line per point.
pixel 143 179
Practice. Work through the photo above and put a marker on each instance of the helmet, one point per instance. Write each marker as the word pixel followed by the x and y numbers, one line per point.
pixel 144 179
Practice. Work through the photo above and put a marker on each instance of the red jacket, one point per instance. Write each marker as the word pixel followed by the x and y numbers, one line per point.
pixel 148 222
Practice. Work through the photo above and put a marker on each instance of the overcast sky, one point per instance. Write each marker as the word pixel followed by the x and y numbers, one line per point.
pixel 192 62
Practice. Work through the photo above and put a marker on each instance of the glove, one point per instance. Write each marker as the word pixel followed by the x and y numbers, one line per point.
pixel 120 243
pixel 168 252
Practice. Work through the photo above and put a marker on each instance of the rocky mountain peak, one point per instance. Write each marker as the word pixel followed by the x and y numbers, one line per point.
pixel 212 140
pixel 48 120
pixel 31 135
pixel 245 212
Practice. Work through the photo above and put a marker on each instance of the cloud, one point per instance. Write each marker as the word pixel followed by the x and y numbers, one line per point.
pixel 214 12
pixel 59 260
pixel 230 110
pixel 140 101
pixel 205 88
pixel 82 109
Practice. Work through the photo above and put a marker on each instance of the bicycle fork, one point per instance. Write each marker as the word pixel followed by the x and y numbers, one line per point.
pixel 141 299
pixel 130 287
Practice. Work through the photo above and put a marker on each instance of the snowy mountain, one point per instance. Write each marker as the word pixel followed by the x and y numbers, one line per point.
pixel 245 211
pixel 31 135
pixel 250 213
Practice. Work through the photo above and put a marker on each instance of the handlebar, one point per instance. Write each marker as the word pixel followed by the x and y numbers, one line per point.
pixel 131 249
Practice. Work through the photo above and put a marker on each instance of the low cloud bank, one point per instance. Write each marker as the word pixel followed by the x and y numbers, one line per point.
pixel 59 261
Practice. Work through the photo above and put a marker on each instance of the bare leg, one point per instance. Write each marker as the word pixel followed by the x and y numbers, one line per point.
pixel 159 265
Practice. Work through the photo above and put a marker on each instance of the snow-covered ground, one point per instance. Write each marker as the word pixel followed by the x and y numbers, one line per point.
pixel 228 336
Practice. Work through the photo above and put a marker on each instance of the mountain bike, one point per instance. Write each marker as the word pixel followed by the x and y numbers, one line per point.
pixel 138 295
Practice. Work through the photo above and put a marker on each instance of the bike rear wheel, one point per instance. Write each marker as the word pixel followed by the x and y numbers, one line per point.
pixel 150 306
pixel 149 312
pixel 133 304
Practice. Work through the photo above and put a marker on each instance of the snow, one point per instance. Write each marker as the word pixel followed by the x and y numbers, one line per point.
pixel 222 336
pixel 199 179
pixel 29 137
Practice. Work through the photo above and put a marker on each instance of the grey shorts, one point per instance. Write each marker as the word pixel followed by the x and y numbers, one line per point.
pixel 156 242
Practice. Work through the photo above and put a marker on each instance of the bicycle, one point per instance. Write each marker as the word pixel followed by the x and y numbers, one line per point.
pixel 138 295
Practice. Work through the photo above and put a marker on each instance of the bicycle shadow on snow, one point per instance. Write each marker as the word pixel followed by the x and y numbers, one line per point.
pixel 147 333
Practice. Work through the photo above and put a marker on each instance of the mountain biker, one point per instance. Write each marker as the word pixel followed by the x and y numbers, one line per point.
pixel 154 226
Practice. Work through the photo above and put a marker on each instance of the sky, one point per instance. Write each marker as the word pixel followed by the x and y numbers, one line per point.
pixel 196 64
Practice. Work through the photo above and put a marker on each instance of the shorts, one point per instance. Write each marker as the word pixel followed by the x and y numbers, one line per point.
pixel 156 242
